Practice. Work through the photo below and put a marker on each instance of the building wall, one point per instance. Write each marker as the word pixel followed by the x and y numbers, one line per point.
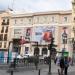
pixel 40 22
pixel 4 30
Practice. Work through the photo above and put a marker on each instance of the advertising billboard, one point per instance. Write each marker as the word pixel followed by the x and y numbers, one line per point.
pixel 43 33
pixel 23 31
pixel 28 33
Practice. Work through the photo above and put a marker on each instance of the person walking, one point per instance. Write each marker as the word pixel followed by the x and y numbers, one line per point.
pixel 36 61
pixel 61 64
pixel 66 62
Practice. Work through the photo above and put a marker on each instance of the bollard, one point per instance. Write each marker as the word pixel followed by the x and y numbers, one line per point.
pixel 39 72
pixel 11 72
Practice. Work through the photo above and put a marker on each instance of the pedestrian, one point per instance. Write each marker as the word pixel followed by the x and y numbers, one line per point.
pixel 61 64
pixel 66 62
pixel 55 60
pixel 14 63
pixel 36 61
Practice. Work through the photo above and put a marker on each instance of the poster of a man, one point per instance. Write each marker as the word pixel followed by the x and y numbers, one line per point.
pixel 28 34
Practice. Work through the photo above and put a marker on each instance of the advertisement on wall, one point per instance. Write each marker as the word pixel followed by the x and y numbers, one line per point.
pixel 43 33
pixel 18 32
pixel 64 35
pixel 25 32
pixel 28 33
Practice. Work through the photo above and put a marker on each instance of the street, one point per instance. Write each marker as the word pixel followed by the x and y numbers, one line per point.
pixel 43 71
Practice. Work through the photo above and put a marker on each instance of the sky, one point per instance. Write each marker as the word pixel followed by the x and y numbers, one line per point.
pixel 36 5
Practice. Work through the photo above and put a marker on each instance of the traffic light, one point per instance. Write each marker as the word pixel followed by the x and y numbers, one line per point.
pixel 52 46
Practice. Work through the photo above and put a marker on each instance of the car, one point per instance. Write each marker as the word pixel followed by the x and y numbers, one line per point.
pixel 19 57
pixel 27 55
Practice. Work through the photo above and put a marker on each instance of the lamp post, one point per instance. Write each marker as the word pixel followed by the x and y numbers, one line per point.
pixel 73 46
pixel 50 54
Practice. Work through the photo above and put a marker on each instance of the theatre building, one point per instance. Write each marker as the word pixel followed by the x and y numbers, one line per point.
pixel 28 29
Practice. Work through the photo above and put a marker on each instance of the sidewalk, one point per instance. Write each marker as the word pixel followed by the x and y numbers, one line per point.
pixel 43 71
pixel 33 72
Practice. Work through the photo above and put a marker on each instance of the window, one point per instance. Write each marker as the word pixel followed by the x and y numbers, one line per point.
pixel 45 19
pixel 2 31
pixel 29 21
pixel 52 19
pixel 26 50
pixel 15 21
pixel 36 51
pixel 21 21
pixel 38 19
pixel 5 43
pixel 0 44
pixel 5 37
pixel 1 37
pixel 6 30
pixel 7 21
pixel 44 51
pixel 3 23
pixel 65 19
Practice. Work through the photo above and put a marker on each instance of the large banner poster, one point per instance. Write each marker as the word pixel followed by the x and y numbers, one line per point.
pixel 64 34
pixel 28 33
pixel 25 32
pixel 43 33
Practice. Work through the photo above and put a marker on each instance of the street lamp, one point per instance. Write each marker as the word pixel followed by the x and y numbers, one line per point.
pixel 51 47
pixel 73 46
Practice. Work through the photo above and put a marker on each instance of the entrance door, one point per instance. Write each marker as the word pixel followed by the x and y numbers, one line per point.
pixel 36 51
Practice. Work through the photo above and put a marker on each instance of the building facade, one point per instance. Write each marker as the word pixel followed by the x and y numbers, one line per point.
pixel 4 30
pixel 35 27
pixel 4 34
pixel 73 22
pixel 38 27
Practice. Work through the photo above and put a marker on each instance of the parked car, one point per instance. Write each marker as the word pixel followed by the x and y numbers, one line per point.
pixel 27 55
pixel 19 57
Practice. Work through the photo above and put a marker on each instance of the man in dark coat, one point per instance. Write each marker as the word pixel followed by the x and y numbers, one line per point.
pixel 66 65
pixel 62 65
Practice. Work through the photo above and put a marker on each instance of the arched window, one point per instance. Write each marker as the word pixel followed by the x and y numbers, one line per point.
pixel 44 50
pixel 36 51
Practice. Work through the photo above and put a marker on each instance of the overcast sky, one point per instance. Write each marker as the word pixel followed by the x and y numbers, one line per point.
pixel 36 5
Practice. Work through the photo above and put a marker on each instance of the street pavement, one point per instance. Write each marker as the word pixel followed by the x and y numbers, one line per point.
pixel 43 71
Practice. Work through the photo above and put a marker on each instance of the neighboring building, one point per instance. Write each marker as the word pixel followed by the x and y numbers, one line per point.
pixel 4 30
pixel 4 34
pixel 73 35
pixel 38 27
pixel 35 27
